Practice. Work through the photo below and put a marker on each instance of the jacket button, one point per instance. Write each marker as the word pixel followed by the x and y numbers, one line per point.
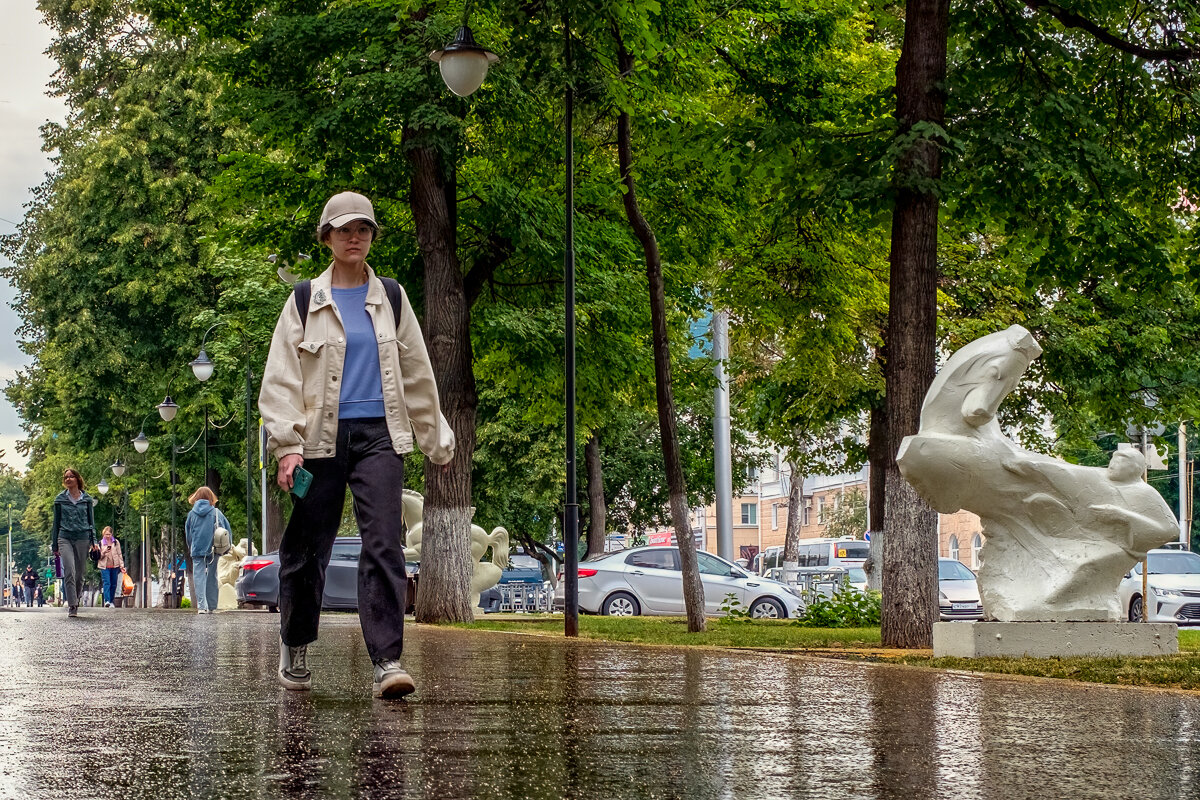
pixel 328 415
pixel 340 340
pixel 327 452
pixel 334 379
pixel 387 372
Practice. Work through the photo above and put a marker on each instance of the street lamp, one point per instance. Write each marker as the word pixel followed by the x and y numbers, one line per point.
pixel 203 368
pixel 102 486
pixel 463 63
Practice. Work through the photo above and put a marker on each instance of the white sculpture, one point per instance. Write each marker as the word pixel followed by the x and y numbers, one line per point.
pixel 485 574
pixel 1059 536
pixel 229 567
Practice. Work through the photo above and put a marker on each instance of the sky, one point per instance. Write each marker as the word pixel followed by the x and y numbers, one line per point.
pixel 24 107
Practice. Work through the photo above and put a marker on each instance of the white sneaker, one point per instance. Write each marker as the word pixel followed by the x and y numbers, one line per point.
pixel 108 605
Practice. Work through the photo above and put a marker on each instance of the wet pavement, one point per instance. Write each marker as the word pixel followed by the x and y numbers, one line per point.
pixel 123 704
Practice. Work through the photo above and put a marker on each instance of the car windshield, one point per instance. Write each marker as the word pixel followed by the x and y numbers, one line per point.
pixel 522 561
pixel 1174 563
pixel 954 571
pixel 857 575
pixel 853 550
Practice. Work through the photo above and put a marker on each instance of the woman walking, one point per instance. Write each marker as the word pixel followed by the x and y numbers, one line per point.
pixel 202 522
pixel 110 565
pixel 75 530
pixel 346 386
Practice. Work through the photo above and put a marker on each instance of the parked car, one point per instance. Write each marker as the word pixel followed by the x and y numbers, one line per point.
pixel 522 569
pixel 958 592
pixel 258 584
pixel 1174 581
pixel 648 580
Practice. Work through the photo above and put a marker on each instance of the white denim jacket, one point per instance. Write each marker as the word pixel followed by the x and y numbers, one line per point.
pixel 301 386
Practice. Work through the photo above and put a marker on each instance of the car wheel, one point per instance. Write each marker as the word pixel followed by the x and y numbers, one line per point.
pixel 1135 609
pixel 767 608
pixel 273 609
pixel 621 604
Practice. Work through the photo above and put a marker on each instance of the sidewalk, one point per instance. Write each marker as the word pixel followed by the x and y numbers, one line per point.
pixel 158 704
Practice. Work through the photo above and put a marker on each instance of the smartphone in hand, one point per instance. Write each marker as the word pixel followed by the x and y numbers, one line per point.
pixel 301 480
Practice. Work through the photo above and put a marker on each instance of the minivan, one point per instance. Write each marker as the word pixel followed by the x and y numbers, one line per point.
pixel 841 553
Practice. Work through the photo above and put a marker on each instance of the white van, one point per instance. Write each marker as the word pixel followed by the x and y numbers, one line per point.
pixel 825 553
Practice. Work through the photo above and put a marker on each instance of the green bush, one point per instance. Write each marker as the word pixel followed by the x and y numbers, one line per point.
pixel 185 603
pixel 734 609
pixel 848 608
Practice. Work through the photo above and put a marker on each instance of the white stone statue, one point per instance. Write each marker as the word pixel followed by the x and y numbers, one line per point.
pixel 485 574
pixel 1059 536
pixel 229 567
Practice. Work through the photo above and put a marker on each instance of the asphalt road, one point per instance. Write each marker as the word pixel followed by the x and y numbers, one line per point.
pixel 157 704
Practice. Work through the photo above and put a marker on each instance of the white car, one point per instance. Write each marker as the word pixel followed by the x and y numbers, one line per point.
pixel 958 591
pixel 648 580
pixel 1174 582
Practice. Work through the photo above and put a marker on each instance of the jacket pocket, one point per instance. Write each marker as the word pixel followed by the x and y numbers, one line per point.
pixel 312 373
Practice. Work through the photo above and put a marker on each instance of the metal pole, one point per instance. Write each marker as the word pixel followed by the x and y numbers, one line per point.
pixel 1182 442
pixel 174 555
pixel 205 481
pixel 571 511
pixel 249 464
pixel 262 482
pixel 1146 560
pixel 721 446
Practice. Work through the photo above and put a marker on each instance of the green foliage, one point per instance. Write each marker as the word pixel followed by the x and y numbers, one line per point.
pixel 847 608
pixel 849 517
pixel 734 610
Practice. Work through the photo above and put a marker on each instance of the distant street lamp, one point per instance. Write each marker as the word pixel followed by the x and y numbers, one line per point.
pixel 203 368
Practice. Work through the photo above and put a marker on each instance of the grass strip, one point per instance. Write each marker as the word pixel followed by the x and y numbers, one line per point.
pixel 1180 671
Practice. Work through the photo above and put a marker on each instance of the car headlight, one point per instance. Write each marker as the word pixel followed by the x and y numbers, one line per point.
pixel 1166 592
pixel 943 598
pixel 793 590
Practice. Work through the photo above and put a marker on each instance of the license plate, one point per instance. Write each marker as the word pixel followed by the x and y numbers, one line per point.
pixel 963 606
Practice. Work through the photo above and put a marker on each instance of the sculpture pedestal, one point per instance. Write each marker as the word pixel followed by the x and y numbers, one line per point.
pixel 1050 639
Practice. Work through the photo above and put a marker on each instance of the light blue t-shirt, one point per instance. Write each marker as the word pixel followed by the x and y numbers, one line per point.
pixel 362 387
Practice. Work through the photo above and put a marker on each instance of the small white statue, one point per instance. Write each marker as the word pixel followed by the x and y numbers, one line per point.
pixel 1059 536
pixel 485 574
pixel 229 568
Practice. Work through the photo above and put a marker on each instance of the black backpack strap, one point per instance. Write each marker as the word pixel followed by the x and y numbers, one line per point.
pixel 395 297
pixel 301 292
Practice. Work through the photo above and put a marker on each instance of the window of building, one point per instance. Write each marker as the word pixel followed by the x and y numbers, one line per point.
pixel 749 514
pixel 954 547
pixel 752 473
pixel 807 512
pixel 976 546
pixel 774 517
pixel 820 510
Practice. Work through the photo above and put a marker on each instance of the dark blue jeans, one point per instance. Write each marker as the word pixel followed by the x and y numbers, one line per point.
pixel 365 461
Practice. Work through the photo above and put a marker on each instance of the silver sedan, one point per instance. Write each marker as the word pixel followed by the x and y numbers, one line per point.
pixel 648 580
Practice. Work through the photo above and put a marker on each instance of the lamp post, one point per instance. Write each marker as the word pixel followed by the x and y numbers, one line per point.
pixel 11 589
pixel 463 65
pixel 203 368
pixel 141 443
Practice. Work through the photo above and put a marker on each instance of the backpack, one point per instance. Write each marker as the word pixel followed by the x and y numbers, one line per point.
pixel 221 541
pixel 302 291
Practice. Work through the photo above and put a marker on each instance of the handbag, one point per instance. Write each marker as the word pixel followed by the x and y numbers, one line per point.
pixel 126 584
pixel 94 554
pixel 221 541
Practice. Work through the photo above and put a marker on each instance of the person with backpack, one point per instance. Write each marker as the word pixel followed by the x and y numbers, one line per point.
pixel 200 529
pixel 346 390
pixel 110 565
pixel 74 528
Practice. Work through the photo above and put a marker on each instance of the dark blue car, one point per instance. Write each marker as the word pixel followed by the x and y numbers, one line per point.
pixel 522 568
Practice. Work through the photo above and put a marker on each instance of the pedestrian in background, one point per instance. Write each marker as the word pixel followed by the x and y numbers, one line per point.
pixel 352 346
pixel 40 596
pixel 29 578
pixel 75 530
pixel 202 522
pixel 110 565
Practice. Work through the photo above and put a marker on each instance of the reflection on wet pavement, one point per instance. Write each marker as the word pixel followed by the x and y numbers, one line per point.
pixel 170 705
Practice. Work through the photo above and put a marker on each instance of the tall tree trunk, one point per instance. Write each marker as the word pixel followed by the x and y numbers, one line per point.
pixel 877 459
pixel 795 520
pixel 597 512
pixel 693 589
pixel 445 594
pixel 910 528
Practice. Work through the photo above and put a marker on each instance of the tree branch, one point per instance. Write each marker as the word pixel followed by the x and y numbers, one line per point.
pixel 1070 19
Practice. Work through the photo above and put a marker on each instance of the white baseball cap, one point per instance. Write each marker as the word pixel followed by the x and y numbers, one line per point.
pixel 345 208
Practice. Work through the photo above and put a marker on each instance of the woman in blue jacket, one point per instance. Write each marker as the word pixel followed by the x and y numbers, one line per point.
pixel 202 522
pixel 74 531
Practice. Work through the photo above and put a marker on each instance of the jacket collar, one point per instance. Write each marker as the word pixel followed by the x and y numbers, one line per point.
pixel 322 289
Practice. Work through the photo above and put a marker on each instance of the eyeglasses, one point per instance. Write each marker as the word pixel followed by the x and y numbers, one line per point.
pixel 363 231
